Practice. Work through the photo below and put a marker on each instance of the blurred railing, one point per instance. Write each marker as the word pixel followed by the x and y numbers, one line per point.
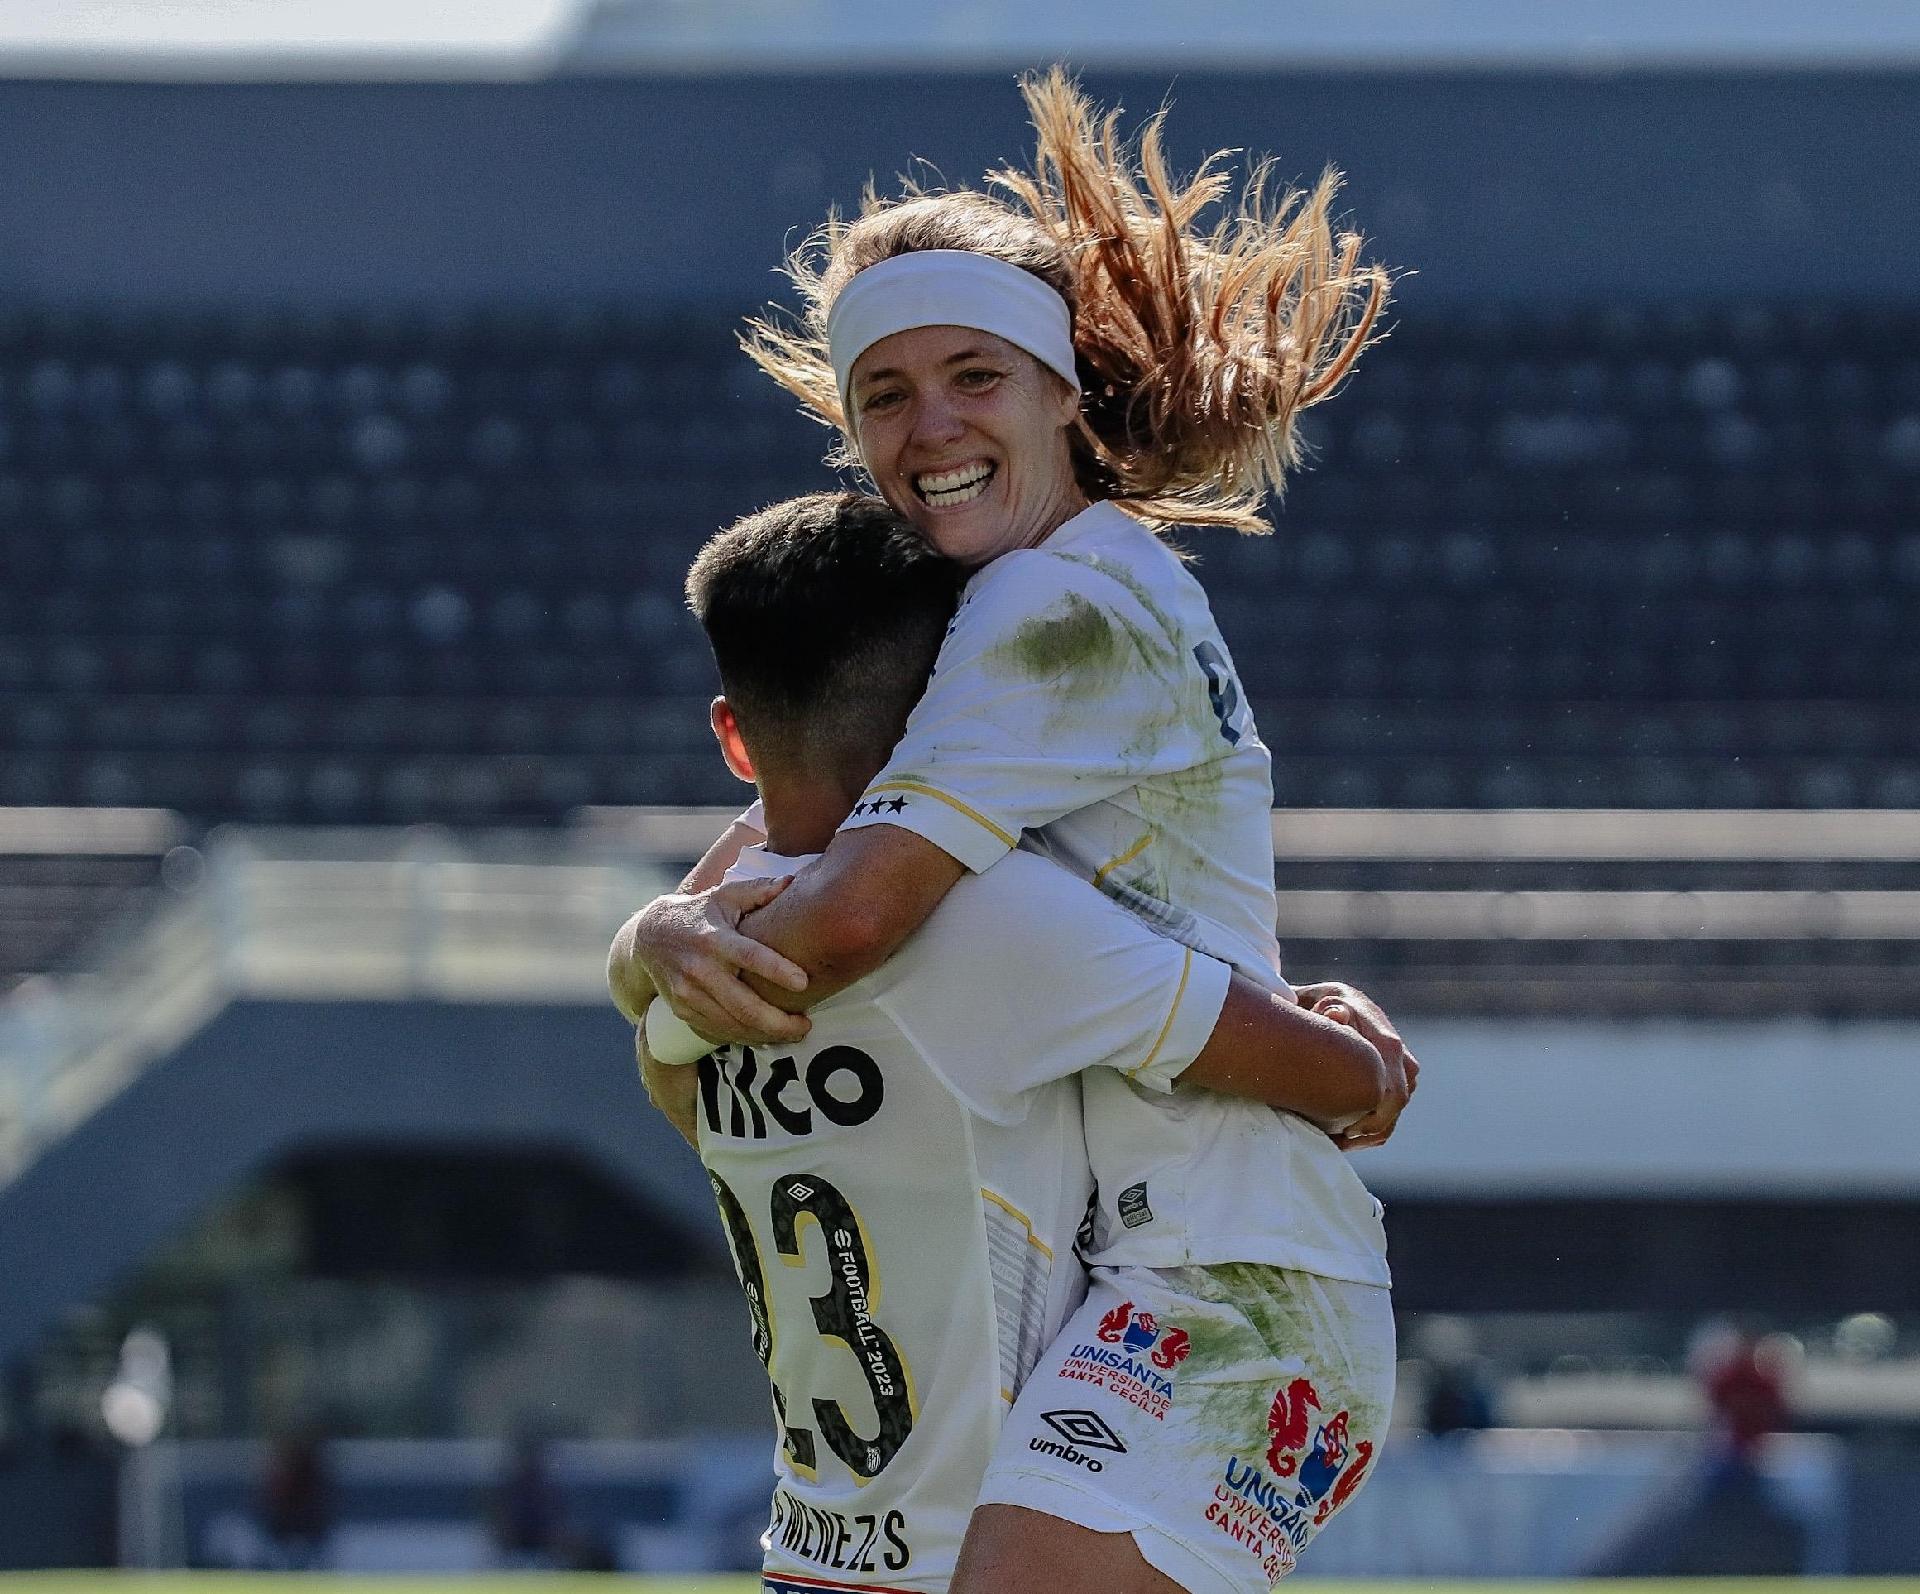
pixel 1484 835
pixel 351 914
pixel 1569 913
pixel 1563 912
pixel 487 916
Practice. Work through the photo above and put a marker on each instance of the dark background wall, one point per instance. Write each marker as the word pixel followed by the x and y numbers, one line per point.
pixel 270 1081
pixel 1531 187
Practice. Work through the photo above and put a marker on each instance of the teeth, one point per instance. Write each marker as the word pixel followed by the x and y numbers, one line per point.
pixel 946 481
pixel 952 487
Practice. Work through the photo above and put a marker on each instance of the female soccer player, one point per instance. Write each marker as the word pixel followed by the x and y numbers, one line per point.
pixel 1036 382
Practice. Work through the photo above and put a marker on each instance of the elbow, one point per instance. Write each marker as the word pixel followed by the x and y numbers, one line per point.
pixel 851 942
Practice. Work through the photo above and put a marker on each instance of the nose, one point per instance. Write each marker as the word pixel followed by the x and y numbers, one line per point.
pixel 936 419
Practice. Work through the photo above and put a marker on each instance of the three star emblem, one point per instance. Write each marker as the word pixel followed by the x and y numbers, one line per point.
pixel 880 805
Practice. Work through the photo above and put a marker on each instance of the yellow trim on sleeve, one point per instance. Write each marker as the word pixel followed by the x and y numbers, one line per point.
pixel 1186 971
pixel 954 803
pixel 1126 857
pixel 1021 1218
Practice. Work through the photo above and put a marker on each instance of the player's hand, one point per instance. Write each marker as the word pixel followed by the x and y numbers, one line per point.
pixel 690 950
pixel 1345 1005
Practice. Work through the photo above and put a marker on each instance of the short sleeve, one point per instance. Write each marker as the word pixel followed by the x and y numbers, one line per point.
pixel 1057 687
pixel 1025 975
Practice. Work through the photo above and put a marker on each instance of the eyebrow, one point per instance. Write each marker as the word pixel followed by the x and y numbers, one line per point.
pixel 951 359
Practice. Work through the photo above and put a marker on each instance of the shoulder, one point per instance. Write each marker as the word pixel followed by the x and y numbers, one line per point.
pixel 1112 558
pixel 1004 910
pixel 1043 613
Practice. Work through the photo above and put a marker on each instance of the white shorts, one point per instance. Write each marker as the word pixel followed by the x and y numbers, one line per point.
pixel 1221 1415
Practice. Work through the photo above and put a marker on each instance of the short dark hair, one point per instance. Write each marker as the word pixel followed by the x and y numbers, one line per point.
pixel 825 614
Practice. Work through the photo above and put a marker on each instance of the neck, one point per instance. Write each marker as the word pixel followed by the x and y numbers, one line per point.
pixel 1058 514
pixel 804 809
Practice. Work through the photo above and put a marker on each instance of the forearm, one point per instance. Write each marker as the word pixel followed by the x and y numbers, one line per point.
pixel 720 857
pixel 1268 1049
pixel 848 912
pixel 674 1090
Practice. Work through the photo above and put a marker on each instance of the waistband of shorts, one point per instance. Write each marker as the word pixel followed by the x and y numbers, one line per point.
pixel 1348 1266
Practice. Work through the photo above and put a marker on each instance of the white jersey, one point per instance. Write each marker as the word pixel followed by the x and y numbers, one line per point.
pixel 1084 705
pixel 901 1192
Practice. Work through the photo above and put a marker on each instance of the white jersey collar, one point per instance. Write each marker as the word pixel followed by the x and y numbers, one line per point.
pixel 1091 521
pixel 757 863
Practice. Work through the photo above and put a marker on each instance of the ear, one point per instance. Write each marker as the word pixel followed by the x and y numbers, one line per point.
pixel 733 746
pixel 1067 399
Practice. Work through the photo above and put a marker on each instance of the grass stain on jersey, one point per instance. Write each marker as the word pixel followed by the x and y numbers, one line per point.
pixel 1131 651
pixel 1087 654
pixel 1121 576
pixel 1073 637
pixel 1186 810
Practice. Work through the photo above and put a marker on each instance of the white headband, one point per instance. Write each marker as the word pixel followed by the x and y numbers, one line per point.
pixel 948 287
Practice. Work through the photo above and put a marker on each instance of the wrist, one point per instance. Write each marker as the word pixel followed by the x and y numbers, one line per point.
pixel 671 1039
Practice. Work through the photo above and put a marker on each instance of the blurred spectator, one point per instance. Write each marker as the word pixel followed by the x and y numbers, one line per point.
pixel 1744 1381
pixel 1457 1398
pixel 296 1501
pixel 1731 1523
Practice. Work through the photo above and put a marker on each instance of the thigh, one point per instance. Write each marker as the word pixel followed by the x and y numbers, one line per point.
pixel 1218 1417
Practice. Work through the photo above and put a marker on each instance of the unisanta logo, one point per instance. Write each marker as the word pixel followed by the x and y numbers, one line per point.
pixel 1327 1470
pixel 1141 1334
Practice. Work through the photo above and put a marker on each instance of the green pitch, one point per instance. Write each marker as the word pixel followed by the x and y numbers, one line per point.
pixel 330 1583
pixel 493 1583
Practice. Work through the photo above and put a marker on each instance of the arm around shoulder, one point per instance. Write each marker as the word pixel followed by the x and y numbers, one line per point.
pixel 847 912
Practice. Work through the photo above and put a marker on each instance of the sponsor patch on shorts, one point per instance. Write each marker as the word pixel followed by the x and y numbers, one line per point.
pixel 1313 1465
pixel 1133 1355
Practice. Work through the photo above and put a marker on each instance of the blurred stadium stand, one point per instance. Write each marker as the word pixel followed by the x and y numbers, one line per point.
pixel 345 492
pixel 378 569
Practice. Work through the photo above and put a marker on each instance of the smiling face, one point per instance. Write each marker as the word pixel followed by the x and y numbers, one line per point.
pixel 966 437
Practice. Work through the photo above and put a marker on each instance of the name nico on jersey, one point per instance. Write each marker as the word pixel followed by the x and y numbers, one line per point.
pixel 747 1099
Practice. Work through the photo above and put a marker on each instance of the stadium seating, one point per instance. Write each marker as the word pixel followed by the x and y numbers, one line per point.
pixel 335 568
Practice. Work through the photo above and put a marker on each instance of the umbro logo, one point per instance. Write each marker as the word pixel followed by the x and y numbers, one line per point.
pixel 1085 1428
pixel 1080 1432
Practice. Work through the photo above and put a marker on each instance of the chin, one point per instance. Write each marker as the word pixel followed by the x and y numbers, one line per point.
pixel 972 546
pixel 974 535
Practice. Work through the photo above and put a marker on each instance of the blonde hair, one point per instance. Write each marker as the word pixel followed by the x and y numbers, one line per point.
pixel 1197 345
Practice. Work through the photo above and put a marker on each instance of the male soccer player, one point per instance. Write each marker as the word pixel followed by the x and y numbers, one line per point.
pixel 900 1190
